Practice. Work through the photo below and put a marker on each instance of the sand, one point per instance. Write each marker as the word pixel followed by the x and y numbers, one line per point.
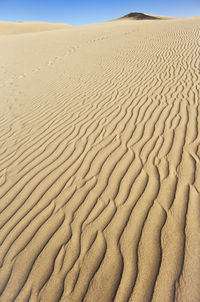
pixel 100 163
pixel 11 28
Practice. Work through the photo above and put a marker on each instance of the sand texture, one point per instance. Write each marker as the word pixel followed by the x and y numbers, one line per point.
pixel 100 163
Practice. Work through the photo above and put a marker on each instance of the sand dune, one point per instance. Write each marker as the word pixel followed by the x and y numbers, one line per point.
pixel 100 163
pixel 10 28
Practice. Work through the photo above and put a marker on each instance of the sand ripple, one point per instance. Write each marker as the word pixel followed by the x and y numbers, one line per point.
pixel 100 163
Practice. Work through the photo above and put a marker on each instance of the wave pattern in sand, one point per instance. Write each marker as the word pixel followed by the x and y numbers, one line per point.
pixel 100 167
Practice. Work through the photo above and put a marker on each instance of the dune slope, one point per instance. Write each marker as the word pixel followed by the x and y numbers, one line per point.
pixel 100 163
pixel 10 28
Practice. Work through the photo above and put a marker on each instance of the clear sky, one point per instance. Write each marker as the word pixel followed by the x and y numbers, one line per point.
pixel 79 12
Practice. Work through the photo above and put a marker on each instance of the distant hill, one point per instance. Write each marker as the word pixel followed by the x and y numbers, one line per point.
pixel 141 16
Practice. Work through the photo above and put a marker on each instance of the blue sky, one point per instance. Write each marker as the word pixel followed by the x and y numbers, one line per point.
pixel 77 12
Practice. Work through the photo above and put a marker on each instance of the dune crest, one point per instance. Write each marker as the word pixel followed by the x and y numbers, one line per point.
pixel 100 163
pixel 10 28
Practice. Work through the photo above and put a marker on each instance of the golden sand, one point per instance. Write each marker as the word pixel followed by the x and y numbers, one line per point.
pixel 100 163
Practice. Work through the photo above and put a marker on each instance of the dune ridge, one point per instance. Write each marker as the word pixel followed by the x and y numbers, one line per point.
pixel 22 27
pixel 100 162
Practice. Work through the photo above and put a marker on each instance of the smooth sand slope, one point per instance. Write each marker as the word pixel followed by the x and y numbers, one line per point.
pixel 10 28
pixel 100 163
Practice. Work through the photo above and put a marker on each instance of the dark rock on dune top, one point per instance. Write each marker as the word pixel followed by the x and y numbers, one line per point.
pixel 139 16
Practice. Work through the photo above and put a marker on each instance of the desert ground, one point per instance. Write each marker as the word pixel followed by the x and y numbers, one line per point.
pixel 100 161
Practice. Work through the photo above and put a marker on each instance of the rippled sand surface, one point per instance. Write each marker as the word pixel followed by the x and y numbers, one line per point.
pixel 100 163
